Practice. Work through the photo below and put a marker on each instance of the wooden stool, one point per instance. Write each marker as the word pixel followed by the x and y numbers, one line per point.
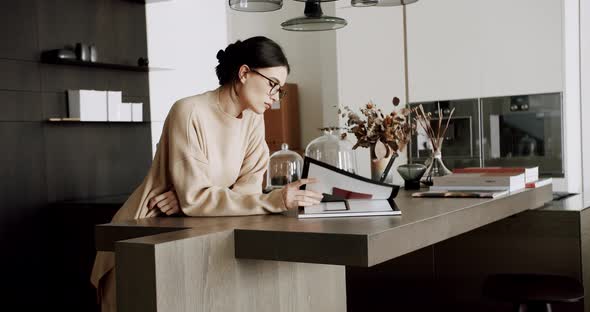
pixel 532 292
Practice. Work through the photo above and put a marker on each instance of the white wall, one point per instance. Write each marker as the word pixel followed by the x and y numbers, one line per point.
pixel 370 64
pixel 183 35
pixel 312 56
pixel 585 95
pixel 571 107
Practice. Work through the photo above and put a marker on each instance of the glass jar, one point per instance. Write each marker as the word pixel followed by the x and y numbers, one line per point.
pixel 334 149
pixel 284 167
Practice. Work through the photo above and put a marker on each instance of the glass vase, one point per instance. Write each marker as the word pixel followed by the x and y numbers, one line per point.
pixel 435 167
pixel 380 165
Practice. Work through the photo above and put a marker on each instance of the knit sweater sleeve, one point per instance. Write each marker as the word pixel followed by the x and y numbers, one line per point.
pixel 189 172
pixel 255 162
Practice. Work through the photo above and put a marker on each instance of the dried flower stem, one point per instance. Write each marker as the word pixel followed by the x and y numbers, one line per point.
pixel 424 120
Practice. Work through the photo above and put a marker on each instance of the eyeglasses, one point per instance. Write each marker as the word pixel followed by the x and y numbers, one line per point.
pixel 275 87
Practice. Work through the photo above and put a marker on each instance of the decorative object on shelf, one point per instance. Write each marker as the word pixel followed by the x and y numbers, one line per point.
pixel 435 135
pixel 411 173
pixel 114 100
pixel 384 134
pixel 58 54
pixel 82 52
pixel 143 61
pixel 256 5
pixel 313 19
pixel 136 111
pixel 56 119
pixel 335 150
pixel 88 105
pixel 92 52
pixel 74 62
pixel 126 112
pixel 284 167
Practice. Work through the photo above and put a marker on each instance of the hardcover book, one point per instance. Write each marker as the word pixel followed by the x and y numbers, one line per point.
pixel 539 183
pixel 531 174
pixel 461 194
pixel 479 181
pixel 346 194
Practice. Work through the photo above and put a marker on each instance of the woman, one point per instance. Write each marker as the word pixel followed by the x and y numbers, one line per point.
pixel 212 152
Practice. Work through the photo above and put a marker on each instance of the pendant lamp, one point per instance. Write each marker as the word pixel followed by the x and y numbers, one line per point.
pixel 256 5
pixel 314 19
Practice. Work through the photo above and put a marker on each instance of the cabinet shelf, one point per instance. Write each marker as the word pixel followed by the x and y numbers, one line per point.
pixel 101 65
pixel 76 120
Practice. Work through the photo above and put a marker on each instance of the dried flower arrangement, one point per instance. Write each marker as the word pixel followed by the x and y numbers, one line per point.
pixel 435 134
pixel 394 129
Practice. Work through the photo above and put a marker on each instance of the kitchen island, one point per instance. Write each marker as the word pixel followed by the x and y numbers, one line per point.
pixel 278 262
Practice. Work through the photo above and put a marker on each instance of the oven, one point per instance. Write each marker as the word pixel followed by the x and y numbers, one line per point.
pixel 523 130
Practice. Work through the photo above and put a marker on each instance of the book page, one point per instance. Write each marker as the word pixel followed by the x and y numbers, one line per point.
pixel 360 205
pixel 344 186
pixel 353 205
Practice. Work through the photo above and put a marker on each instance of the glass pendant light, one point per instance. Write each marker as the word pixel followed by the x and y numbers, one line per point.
pixel 256 5
pixel 380 3
pixel 314 19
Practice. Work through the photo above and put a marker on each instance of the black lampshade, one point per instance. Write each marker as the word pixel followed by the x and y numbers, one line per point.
pixel 314 19
pixel 256 5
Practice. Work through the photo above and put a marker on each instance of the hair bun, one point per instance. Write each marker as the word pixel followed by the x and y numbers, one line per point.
pixel 220 55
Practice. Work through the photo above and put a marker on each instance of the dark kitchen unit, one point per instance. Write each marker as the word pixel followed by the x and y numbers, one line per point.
pixel 506 131
pixel 523 130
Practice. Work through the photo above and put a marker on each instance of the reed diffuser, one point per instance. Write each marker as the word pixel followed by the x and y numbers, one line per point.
pixel 435 129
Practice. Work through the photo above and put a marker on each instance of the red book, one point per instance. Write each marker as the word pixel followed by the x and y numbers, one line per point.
pixel 531 174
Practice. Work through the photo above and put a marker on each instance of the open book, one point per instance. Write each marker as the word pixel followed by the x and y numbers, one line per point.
pixel 346 194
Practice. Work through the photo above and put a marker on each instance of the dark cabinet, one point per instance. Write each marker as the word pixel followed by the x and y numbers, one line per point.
pixel 282 124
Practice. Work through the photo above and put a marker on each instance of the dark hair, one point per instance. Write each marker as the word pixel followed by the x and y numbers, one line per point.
pixel 256 52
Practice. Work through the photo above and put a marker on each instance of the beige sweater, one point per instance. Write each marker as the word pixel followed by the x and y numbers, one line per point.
pixel 214 161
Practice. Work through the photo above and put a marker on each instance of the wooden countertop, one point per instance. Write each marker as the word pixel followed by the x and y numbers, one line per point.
pixel 355 241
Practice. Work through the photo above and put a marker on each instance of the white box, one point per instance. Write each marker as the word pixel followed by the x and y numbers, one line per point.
pixel 137 111
pixel 126 112
pixel 88 105
pixel 114 100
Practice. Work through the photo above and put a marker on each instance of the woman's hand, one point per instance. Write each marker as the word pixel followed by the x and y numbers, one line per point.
pixel 166 203
pixel 294 197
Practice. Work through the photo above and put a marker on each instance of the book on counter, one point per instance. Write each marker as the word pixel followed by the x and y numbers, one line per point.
pixel 460 194
pixel 531 174
pixel 486 181
pixel 346 194
pixel 539 183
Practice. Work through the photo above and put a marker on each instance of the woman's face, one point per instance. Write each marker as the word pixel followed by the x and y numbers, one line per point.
pixel 255 92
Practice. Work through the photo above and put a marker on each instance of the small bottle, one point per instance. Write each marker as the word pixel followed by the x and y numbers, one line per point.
pixel 82 52
pixel 92 49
